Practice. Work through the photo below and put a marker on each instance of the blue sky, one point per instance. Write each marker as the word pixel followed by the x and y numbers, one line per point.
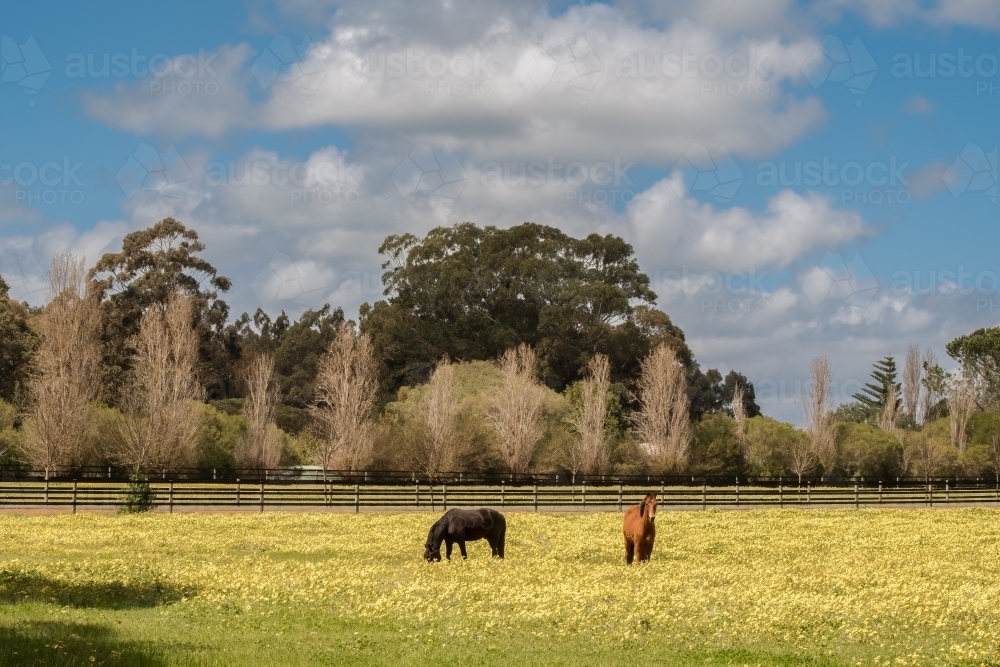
pixel 763 270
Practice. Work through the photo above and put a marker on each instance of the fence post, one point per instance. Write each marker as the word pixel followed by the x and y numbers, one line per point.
pixel 583 492
pixel 74 496
pixel 737 494
pixel 109 472
pixel 170 497
pixel 357 499
pixel 416 492
pixel 503 495
pixel 856 506
pixel 536 496
pixel 930 495
pixel 781 497
pixel 46 491
pixel 213 474
pixel 444 497
pixel 262 497
pixel 704 498
pixel 947 492
pixel 619 497
pixel 237 491
pixel 880 493
pixel 808 493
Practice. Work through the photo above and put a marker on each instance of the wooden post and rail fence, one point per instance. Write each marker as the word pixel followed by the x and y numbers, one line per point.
pixel 272 492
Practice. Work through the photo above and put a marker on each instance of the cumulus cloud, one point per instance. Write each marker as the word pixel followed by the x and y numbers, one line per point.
pixel 671 228
pixel 204 93
pixel 591 82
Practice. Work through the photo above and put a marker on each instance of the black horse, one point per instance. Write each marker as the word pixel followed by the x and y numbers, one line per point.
pixel 466 525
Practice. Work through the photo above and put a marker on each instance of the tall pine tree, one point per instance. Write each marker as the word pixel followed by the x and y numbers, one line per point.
pixel 875 394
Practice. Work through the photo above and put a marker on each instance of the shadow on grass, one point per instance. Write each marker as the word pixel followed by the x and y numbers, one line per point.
pixel 64 644
pixel 16 587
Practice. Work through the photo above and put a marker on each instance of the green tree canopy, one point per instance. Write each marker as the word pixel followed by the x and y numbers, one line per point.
pixel 472 292
pixel 296 346
pixel 153 263
pixel 17 345
pixel 979 354
pixel 874 395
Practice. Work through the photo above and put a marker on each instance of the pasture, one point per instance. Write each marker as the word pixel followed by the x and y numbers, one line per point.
pixel 762 587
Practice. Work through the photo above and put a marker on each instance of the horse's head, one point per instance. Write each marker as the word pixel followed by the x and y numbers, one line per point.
pixel 432 549
pixel 432 552
pixel 647 509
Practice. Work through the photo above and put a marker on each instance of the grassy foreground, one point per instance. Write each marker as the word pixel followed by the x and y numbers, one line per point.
pixel 769 587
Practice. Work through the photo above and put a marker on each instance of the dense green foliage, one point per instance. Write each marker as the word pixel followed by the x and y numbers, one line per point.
pixel 18 344
pixel 153 263
pixel 470 293
pixel 979 354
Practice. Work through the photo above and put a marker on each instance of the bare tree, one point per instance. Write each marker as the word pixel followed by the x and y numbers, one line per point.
pixel 740 415
pixel 663 422
pixel 516 409
pixel 911 384
pixel 817 405
pixel 888 419
pixel 926 454
pixel 589 452
pixel 65 380
pixel 802 456
pixel 435 449
pixel 962 394
pixel 260 447
pixel 346 390
pixel 160 410
pixel 931 394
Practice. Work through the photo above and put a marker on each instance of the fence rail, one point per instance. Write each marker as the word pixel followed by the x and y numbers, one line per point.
pixel 288 495
pixel 314 474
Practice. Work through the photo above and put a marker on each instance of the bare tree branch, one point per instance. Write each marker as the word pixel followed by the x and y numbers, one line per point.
pixel 65 380
pixel 346 389
pixel 663 423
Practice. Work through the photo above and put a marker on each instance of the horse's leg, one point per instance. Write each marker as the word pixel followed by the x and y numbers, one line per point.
pixel 500 542
pixel 461 547
pixel 448 552
pixel 629 551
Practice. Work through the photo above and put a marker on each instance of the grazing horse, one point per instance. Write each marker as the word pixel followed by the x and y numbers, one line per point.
pixel 639 528
pixel 461 526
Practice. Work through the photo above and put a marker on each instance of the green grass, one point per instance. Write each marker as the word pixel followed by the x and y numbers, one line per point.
pixel 824 588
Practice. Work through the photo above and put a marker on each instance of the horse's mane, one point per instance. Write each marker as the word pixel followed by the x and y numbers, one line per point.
pixel 440 527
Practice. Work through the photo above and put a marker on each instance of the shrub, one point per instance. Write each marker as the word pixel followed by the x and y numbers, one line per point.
pixel 138 496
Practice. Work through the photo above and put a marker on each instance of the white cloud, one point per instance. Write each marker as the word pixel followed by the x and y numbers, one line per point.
pixel 208 97
pixel 591 83
pixel 670 229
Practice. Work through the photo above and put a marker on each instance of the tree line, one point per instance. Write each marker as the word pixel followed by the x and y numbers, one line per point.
pixel 515 350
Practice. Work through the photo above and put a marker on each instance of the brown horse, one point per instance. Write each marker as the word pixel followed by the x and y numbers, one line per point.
pixel 639 528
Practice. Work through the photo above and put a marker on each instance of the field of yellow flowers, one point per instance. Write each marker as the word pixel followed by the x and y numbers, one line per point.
pixel 769 587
